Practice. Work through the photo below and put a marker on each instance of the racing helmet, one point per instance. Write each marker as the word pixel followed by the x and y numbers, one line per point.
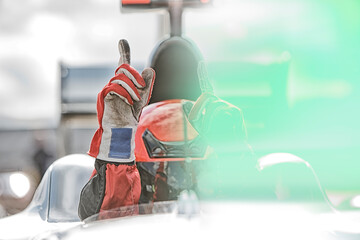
pixel 167 150
pixel 175 61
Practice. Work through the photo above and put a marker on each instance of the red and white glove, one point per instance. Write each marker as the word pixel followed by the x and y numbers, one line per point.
pixel 115 181
pixel 119 106
pixel 219 122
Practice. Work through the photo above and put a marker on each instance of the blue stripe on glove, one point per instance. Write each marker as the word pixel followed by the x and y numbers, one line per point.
pixel 120 146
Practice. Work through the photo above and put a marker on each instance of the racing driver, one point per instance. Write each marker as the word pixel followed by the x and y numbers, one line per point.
pixel 169 133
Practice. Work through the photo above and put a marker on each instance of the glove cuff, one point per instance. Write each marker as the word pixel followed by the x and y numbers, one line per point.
pixel 114 145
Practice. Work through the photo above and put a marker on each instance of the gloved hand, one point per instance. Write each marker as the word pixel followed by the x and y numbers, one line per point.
pixel 219 122
pixel 119 106
pixel 225 172
pixel 115 182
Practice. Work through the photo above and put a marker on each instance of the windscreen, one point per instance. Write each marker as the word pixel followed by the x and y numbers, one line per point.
pixel 65 186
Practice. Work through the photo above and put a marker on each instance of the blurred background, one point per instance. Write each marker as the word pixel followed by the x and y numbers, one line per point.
pixel 292 66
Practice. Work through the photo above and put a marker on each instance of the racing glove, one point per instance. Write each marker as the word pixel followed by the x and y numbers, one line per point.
pixel 115 182
pixel 219 122
pixel 225 172
pixel 119 106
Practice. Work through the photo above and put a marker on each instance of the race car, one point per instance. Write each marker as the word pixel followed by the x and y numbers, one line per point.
pixel 230 214
pixel 290 215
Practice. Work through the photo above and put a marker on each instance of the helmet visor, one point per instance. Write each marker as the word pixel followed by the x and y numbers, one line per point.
pixel 195 148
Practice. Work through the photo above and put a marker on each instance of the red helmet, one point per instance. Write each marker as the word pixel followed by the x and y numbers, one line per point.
pixel 163 141
pixel 164 133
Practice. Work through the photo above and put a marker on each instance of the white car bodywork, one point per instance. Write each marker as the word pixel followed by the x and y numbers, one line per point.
pixel 213 220
pixel 53 211
pixel 55 202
